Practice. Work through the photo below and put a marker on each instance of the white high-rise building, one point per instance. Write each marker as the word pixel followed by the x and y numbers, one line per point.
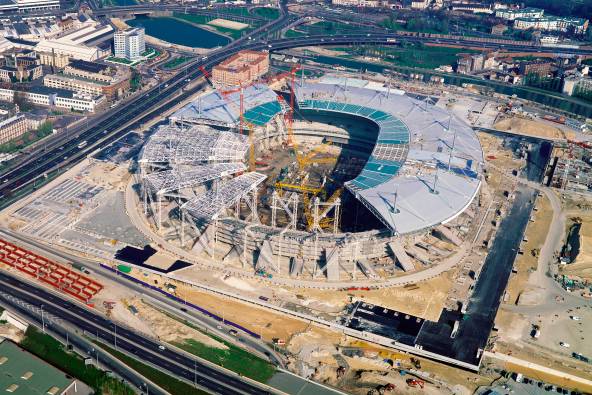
pixel 129 43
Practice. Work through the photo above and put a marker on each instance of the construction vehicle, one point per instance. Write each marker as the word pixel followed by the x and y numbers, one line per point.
pixel 415 383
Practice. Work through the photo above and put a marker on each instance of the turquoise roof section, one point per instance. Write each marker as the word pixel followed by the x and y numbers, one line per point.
pixel 263 113
pixel 393 138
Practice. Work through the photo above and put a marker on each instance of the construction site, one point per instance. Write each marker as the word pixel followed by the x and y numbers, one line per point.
pixel 337 217
pixel 259 179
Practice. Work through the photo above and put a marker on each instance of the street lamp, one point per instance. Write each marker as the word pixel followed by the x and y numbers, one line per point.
pixel 42 320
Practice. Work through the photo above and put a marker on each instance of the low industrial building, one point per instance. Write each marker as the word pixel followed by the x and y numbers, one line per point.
pixel 22 373
pixel 58 53
pixel 29 5
pixel 55 97
pixel 242 68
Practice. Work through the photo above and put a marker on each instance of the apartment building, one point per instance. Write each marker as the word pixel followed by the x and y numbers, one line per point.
pixel 13 128
pixel 242 68
pixel 510 14
pixel 552 23
pixel 129 43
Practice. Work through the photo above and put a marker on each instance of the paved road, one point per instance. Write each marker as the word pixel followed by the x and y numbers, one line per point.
pixel 150 104
pixel 67 335
pixel 209 324
pixel 145 349
pixel 580 382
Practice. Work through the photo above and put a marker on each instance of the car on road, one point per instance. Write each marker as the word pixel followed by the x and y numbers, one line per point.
pixel 233 332
pixel 564 344
pixel 161 347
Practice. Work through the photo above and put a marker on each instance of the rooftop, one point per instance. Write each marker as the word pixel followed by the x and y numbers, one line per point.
pixel 425 165
pixel 22 373
pixel 260 104
pixel 91 67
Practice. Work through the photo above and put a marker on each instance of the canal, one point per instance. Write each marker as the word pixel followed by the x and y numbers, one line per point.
pixel 176 32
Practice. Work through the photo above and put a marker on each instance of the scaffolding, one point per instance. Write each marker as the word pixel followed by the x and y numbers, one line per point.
pixel 178 145
pixel 209 205
pixel 180 177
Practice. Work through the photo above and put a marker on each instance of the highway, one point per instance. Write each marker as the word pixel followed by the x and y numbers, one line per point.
pixel 152 103
pixel 207 323
pixel 179 364
pixel 63 150
pixel 77 342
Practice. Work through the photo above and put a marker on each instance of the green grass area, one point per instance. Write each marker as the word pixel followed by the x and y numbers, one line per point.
pixel 294 33
pixel 233 358
pixel 150 53
pixel 242 11
pixel 121 60
pixel 44 130
pixel 428 24
pixel 197 19
pixel 204 19
pixel 52 351
pixel 267 12
pixel 158 377
pixel 412 55
pixel 171 64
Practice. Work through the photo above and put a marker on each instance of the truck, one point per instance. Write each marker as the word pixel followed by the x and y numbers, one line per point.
pixel 83 144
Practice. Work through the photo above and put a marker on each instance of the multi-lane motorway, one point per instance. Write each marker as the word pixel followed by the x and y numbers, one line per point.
pixel 177 363
pixel 257 346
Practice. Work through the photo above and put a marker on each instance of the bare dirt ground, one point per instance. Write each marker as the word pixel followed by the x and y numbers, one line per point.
pixel 228 24
pixel 171 330
pixel 107 175
pixel 582 267
pixel 528 261
pixel 514 339
pixel 533 128
pixel 269 325
pixel 426 300
pixel 11 332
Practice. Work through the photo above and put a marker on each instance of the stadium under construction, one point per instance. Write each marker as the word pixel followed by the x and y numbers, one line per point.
pixel 334 180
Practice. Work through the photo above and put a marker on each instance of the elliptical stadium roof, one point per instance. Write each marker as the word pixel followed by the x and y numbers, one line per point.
pixel 425 166
pixel 260 105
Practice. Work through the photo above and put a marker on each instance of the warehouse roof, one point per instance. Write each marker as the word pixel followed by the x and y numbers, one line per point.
pixel 23 373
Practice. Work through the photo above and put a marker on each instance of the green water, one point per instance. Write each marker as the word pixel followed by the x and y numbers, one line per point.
pixel 123 2
pixel 177 32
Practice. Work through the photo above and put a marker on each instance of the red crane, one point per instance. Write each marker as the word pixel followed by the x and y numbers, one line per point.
pixel 229 92
pixel 206 73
